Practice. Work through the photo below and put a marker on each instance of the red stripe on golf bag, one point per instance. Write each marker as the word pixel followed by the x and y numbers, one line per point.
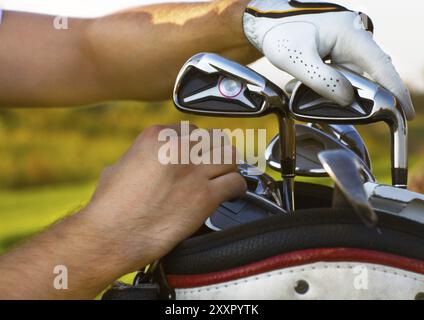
pixel 298 258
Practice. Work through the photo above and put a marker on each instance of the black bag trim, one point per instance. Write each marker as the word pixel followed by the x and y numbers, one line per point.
pixel 307 229
pixel 309 8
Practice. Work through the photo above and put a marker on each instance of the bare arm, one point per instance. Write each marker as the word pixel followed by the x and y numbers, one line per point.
pixel 77 243
pixel 133 54
pixel 138 213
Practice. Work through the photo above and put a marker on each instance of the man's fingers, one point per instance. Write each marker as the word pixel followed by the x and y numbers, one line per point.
pixel 228 187
pixel 223 160
pixel 373 60
pixel 286 47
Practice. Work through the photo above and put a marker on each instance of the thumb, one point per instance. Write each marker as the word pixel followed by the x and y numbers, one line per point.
pixel 292 47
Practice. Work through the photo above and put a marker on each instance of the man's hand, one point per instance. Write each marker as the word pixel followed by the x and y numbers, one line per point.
pixel 139 212
pixel 297 36
pixel 151 207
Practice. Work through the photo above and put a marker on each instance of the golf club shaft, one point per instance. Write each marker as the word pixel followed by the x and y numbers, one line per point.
pixel 288 159
pixel 288 193
pixel 400 153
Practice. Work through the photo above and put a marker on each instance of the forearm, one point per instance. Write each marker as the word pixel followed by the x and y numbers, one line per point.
pixel 130 55
pixel 78 243
pixel 41 65
pixel 139 52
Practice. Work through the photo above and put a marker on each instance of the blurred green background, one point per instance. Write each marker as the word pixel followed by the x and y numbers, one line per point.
pixel 50 158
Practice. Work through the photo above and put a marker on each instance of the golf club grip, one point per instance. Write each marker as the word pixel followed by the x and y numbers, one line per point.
pixel 400 177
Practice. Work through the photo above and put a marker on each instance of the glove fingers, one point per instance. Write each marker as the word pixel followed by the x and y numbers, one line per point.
pixel 350 66
pixel 286 48
pixel 373 60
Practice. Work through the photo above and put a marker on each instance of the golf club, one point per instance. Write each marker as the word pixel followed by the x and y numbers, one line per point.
pixel 261 183
pixel 252 207
pixel 349 136
pixel 211 85
pixel 372 103
pixel 309 143
pixel 347 174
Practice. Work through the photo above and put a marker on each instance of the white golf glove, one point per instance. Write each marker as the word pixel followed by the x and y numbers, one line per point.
pixel 298 36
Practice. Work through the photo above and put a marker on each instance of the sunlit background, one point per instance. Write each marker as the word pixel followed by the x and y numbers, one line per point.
pixel 50 159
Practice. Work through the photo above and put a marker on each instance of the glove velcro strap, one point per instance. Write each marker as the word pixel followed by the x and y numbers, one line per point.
pixel 299 8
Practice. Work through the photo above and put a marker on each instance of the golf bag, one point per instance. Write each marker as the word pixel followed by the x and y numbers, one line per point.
pixel 325 253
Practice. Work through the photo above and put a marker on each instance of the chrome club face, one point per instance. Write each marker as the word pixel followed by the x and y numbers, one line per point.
pixel 309 143
pixel 211 85
pixel 226 89
pixel 347 135
pixel 373 103
pixel 347 175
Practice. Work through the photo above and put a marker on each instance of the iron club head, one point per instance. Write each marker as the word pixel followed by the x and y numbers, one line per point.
pixel 349 136
pixel 209 84
pixel 347 175
pixel 373 103
pixel 310 142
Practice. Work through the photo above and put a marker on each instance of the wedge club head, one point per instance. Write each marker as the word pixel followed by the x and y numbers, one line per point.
pixel 347 175
pixel 211 85
pixel 309 143
pixel 349 136
pixel 373 103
